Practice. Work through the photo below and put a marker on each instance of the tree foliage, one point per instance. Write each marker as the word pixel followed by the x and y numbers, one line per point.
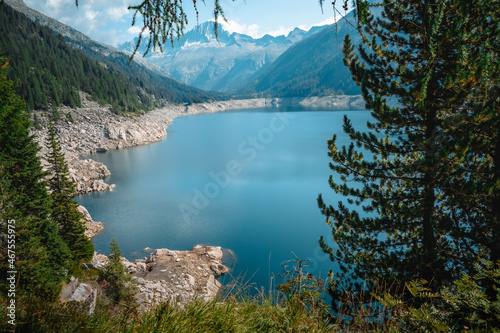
pixel 52 69
pixel 402 219
pixel 463 306
pixel 166 20
pixel 152 88
pixel 49 235
pixel 41 255
pixel 117 283
pixel 64 208
pixel 48 71
pixel 473 197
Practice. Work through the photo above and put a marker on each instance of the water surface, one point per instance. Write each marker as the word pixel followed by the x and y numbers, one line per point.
pixel 247 181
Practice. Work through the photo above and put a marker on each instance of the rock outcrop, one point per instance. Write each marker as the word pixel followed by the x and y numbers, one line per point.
pixel 178 276
pixel 92 227
pixel 88 175
pixel 96 129
pixel 80 292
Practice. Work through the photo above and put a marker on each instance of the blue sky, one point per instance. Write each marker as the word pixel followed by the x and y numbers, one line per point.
pixel 109 21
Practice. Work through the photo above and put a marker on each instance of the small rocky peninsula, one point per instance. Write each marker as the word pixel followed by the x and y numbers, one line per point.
pixel 177 276
pixel 166 275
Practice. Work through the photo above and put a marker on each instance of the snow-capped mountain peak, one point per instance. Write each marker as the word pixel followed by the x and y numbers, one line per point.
pixel 225 63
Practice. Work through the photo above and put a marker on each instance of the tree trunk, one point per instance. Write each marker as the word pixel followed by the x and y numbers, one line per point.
pixel 428 237
pixel 495 221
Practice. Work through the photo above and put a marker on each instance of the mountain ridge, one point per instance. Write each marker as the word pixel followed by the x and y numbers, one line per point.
pixel 225 63
pixel 311 67
pixel 141 74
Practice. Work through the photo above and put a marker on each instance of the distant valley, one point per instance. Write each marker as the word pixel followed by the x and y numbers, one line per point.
pixel 226 63
pixel 301 64
pixel 198 68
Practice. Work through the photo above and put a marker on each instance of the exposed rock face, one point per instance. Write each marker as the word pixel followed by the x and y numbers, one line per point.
pixel 223 63
pixel 178 276
pixel 80 292
pixel 92 227
pixel 88 175
pixel 94 129
pixel 99 261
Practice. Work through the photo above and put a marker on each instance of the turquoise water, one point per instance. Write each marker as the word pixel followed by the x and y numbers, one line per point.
pixel 247 181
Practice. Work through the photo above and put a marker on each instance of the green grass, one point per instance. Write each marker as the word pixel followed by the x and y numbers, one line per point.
pixel 464 306
pixel 231 315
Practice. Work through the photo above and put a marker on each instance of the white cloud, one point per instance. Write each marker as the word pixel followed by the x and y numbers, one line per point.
pixel 100 20
pixel 54 3
pixel 135 30
pixel 285 31
pixel 330 20
pixel 256 31
pixel 233 26
pixel 116 13
pixel 111 36
pixel 90 15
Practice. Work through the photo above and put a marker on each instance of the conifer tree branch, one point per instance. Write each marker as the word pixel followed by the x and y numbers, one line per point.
pixel 166 20
pixel 415 189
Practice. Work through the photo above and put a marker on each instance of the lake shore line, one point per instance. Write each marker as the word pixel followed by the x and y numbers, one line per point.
pixel 95 129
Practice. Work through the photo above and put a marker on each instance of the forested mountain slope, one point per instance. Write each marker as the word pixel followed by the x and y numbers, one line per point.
pixel 311 67
pixel 48 70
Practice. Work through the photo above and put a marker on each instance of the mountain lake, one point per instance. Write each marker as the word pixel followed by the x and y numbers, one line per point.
pixel 245 180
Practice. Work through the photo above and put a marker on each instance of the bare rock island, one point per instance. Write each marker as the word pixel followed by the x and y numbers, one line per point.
pixel 178 276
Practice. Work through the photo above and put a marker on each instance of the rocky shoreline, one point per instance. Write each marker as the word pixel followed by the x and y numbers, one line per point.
pixel 92 227
pixel 164 276
pixel 95 129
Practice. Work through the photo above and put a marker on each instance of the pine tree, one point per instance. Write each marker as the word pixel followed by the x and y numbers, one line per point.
pixel 64 208
pixel 474 193
pixel 55 113
pixel 119 285
pixel 404 164
pixel 41 255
